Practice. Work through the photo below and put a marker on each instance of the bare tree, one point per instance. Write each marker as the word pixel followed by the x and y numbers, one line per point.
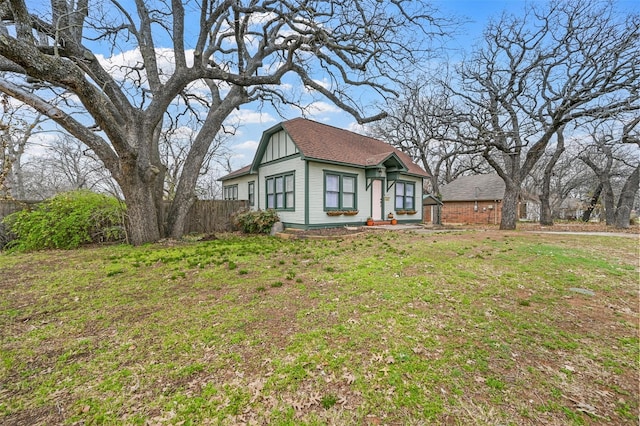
pixel 64 164
pixel 17 127
pixel 539 72
pixel 75 164
pixel 563 174
pixel 613 155
pixel 425 124
pixel 175 144
pixel 212 57
pixel 546 217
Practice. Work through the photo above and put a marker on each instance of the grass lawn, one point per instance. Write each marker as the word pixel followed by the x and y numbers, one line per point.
pixel 480 327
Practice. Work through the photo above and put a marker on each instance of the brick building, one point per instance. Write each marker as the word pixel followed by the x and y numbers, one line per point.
pixel 473 199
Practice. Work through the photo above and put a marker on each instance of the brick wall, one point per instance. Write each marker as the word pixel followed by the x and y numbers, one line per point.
pixel 429 213
pixel 488 212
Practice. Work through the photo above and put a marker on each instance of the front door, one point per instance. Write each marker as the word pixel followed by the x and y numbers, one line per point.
pixel 376 200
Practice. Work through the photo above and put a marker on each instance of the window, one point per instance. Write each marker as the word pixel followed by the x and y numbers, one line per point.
pixel 230 192
pixel 339 191
pixel 252 193
pixel 280 192
pixel 405 195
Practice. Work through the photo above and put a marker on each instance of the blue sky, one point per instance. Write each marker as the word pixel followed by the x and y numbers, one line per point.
pixel 474 14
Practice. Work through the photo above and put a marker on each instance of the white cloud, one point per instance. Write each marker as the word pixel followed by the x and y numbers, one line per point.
pixel 248 145
pixel 324 83
pixel 184 132
pixel 357 128
pixel 318 110
pixel 39 144
pixel 246 116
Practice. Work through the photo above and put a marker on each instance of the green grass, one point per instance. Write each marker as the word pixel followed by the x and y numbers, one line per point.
pixel 389 328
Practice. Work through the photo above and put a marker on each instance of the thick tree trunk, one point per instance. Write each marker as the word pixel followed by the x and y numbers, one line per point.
pixel 586 216
pixel 142 217
pixel 177 217
pixel 510 208
pixel 625 202
pixel 137 180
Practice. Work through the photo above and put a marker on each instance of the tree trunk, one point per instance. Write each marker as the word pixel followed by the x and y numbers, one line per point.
pixel 586 216
pixel 142 217
pixel 609 203
pixel 185 191
pixel 625 202
pixel 510 207
pixel 158 186
pixel 546 215
pixel 137 181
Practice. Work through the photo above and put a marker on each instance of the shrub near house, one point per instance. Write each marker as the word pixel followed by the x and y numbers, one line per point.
pixel 66 221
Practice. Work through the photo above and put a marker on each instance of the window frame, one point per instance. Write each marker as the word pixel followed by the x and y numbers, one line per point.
pixel 404 195
pixel 283 192
pixel 341 192
pixel 230 188
pixel 251 193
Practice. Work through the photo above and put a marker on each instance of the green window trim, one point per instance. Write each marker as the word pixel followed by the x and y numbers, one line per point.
pixel 230 192
pixel 405 198
pixel 340 191
pixel 280 192
pixel 251 191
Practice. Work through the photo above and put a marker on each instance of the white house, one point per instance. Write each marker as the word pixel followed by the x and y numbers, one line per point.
pixel 317 176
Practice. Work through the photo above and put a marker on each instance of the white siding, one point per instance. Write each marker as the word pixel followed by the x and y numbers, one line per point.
pixel 295 165
pixel 317 215
pixel 243 185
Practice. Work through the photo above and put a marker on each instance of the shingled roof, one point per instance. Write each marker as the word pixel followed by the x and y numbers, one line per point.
pixel 317 141
pixel 237 173
pixel 488 187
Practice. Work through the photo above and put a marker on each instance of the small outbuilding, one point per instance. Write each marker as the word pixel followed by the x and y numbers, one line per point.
pixel 473 199
pixel 477 199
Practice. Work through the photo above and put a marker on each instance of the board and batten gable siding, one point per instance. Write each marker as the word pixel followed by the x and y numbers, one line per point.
pixel 279 146
pixel 317 214
pixel 293 165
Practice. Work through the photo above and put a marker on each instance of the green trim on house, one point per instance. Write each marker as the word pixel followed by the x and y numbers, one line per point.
pixel 262 147
pixel 404 195
pixel 340 192
pixel 251 193
pixel 355 166
pixel 324 225
pixel 281 159
pixel 306 193
pixel 404 222
pixel 284 192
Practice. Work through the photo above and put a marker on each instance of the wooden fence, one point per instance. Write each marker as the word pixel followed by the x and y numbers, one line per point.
pixel 204 217
pixel 11 206
pixel 210 216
